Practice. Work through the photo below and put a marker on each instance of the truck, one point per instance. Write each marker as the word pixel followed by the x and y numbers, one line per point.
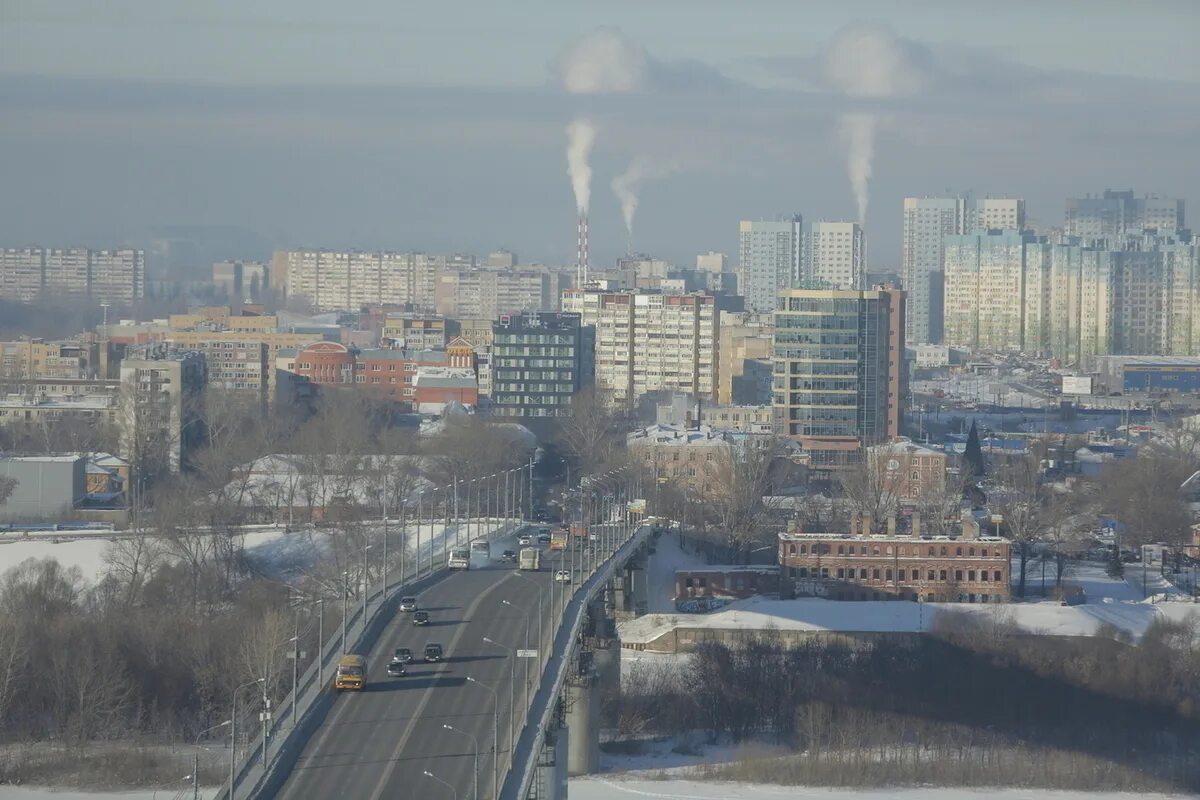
pixel 530 559
pixel 482 547
pixel 460 558
pixel 351 673
pixel 558 539
pixel 578 529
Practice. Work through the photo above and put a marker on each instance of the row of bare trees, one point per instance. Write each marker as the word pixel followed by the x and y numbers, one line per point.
pixel 986 688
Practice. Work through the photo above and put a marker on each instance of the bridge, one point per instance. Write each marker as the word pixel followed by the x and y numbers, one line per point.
pixel 513 707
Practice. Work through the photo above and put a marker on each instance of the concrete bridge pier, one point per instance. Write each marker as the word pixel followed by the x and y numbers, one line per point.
pixel 583 726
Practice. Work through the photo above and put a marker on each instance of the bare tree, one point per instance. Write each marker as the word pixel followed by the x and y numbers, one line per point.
pixel 869 488
pixel 592 433
pixel 734 486
pixel 131 560
pixel 1017 498
pixel 1144 494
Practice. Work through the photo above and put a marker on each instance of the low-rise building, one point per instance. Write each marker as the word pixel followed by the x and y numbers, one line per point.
pixel 861 565
pixel 45 487
pixel 909 471
pixel 699 589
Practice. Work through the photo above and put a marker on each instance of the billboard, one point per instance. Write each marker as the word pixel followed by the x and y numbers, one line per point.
pixel 1076 384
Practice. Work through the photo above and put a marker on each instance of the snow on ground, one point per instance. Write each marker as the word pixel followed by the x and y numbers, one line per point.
pixel 1116 602
pixel 891 616
pixel 605 788
pixel 668 557
pixel 272 549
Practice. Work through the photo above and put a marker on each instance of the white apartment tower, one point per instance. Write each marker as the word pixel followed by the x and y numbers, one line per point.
pixel 646 341
pixel 927 223
pixel 769 256
pixel 835 255
pixel 1000 213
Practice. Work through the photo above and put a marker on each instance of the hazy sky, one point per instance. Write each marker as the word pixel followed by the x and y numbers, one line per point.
pixel 440 126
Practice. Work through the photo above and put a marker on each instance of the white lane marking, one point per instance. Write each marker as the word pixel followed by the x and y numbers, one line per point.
pixel 468 614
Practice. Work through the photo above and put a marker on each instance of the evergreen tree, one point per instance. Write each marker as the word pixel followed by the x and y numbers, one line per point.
pixel 973 455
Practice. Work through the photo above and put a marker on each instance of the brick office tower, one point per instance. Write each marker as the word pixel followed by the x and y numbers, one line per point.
pixel 903 565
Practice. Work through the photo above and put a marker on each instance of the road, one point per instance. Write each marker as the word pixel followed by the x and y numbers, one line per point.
pixel 378 743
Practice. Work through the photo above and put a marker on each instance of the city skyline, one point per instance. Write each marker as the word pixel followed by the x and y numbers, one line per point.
pixel 716 129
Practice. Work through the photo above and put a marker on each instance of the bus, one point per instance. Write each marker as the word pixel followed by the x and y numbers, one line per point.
pixel 460 558
pixel 351 673
pixel 482 546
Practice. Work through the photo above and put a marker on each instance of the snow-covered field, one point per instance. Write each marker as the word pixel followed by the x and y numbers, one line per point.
pixel 271 547
pixel 182 790
pixel 607 788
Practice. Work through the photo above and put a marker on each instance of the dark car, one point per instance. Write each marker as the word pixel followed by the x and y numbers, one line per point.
pixel 395 669
pixel 543 538
pixel 433 652
pixel 408 604
pixel 420 618
pixel 403 655
pixel 508 555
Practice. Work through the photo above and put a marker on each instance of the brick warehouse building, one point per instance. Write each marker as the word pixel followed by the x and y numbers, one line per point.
pixel 898 565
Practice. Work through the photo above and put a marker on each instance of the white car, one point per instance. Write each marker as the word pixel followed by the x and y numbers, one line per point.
pixel 525 540
pixel 563 576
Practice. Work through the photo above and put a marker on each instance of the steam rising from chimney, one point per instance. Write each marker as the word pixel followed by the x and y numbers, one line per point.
pixel 581 135
pixel 628 184
pixel 868 61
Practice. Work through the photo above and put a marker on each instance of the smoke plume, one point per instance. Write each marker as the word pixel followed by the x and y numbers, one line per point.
pixel 627 185
pixel 869 61
pixel 857 132
pixel 604 61
pixel 581 135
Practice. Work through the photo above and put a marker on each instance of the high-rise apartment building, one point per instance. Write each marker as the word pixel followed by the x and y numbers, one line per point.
pixel 241 280
pixel 1114 215
pixel 348 280
pixel 927 223
pixel 117 276
pixel 713 262
pixel 835 255
pixel 647 342
pixel 538 364
pixel 999 213
pixel 487 294
pixel 839 370
pixel 769 259
pixel 985 287
pixel 162 414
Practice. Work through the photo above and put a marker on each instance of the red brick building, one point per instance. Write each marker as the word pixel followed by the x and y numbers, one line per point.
pixel 390 373
pixel 855 566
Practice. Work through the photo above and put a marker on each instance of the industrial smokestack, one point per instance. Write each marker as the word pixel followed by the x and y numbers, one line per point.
pixel 581 264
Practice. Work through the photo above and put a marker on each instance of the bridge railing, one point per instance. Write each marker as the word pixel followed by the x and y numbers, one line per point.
pixel 286 736
pixel 519 780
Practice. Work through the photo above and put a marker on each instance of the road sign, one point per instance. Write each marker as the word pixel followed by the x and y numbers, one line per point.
pixel 526 653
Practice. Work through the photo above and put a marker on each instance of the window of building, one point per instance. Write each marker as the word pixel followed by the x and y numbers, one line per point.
pixel 958 574
pixel 971 575
pixel 931 551
pixel 824 572
pixel 943 575
pixel 701 582
pixel 889 550
pixel 887 575
pixel 851 550
pixel 875 551
pixel 841 550
pixel 958 551
pixel 791 549
pixel 875 574
pixel 932 575
pixel 943 550
pixel 996 576
pixel 841 573
pixel 804 548
pixel 983 552
pixel 804 572
pixel 971 551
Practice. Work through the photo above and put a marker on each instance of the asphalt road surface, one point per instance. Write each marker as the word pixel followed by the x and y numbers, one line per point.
pixel 379 742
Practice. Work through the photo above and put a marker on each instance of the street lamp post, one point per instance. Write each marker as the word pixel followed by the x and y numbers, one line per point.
pixel 527 615
pixel 266 713
pixel 233 730
pixel 196 757
pixel 512 691
pixel 475 742
pixel 429 774
pixel 345 604
pixel 495 734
